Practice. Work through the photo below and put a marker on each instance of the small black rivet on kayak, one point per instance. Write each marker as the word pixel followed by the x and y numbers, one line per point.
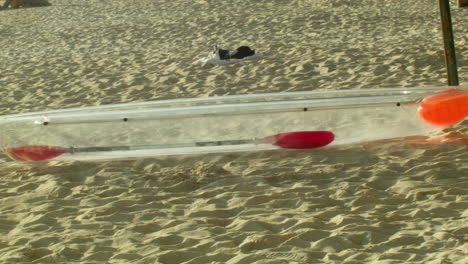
pixel 125 119
pixel 305 109
pixel 45 123
pixel 398 104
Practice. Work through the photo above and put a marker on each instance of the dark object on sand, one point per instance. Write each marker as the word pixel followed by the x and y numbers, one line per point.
pixel 223 56
pixel 25 3
pixel 239 53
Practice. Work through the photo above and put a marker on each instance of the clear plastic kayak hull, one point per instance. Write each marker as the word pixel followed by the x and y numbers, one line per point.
pixel 213 124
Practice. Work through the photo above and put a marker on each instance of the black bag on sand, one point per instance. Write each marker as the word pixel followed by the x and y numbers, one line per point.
pixel 239 53
pixel 242 52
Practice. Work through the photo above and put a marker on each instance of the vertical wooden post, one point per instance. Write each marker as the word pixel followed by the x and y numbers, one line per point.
pixel 449 44
pixel 462 3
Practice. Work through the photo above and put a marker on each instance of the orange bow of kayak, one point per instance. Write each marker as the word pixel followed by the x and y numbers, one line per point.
pixel 445 109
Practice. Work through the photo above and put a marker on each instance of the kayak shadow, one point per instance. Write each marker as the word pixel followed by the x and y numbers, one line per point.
pixel 449 139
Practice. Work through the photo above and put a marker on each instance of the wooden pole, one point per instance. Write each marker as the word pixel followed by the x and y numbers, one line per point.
pixel 462 3
pixel 449 44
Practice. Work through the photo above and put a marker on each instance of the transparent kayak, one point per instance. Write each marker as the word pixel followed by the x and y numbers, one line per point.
pixel 217 124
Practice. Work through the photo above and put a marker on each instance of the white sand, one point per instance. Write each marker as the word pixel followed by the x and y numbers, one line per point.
pixel 399 201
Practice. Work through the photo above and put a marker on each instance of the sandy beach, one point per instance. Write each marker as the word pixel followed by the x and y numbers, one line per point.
pixel 393 201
